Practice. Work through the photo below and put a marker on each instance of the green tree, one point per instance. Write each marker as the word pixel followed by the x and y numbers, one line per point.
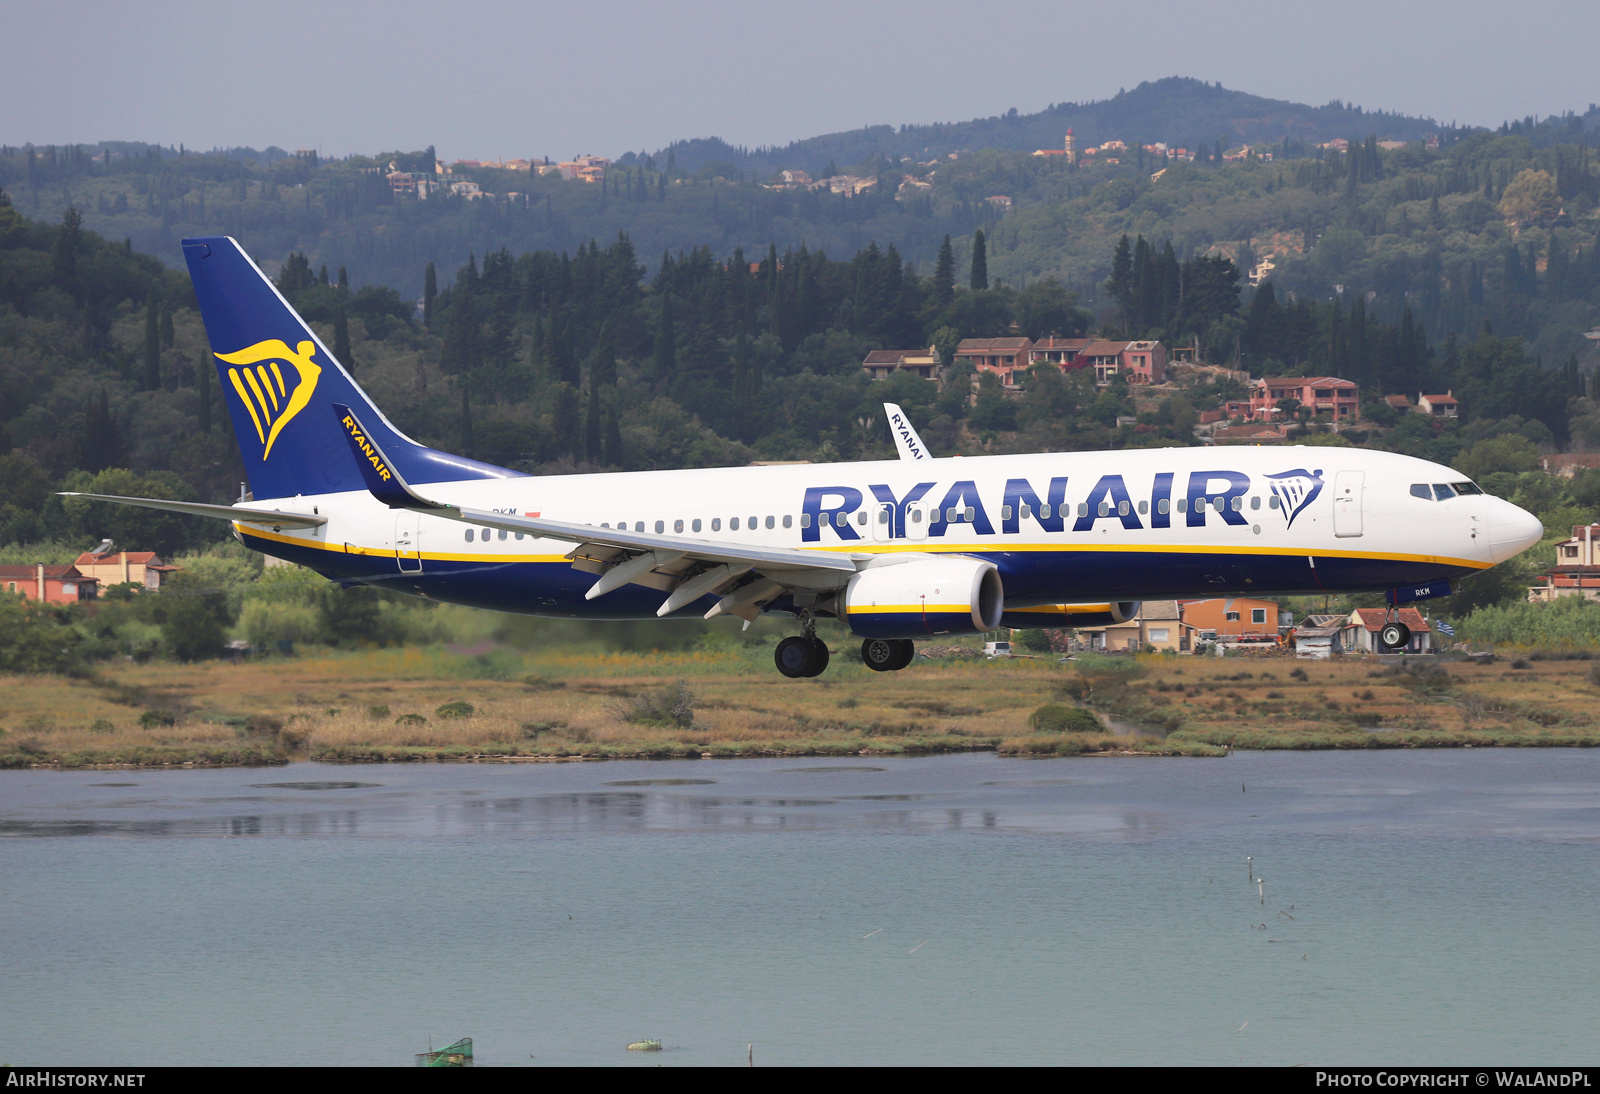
pixel 152 342
pixel 1530 199
pixel 944 274
pixel 980 262
pixel 430 291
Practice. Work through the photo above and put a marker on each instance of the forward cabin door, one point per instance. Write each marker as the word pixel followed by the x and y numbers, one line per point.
pixel 1347 488
pixel 408 542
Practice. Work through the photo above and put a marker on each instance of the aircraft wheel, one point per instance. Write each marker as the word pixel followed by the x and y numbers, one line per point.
pixel 819 658
pixel 1394 636
pixel 907 653
pixel 793 657
pixel 881 654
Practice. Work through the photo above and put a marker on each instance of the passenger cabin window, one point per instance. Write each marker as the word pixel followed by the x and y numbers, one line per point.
pixel 753 524
pixel 805 520
pixel 1083 509
pixel 1163 506
pixel 677 526
pixel 502 533
pixel 696 525
pixel 1183 505
pixel 733 524
pixel 916 517
pixel 469 535
pixel 1255 503
pixel 638 526
pixel 861 518
pixel 788 520
pixel 1144 507
pixel 1421 490
pixel 770 522
pixel 716 524
pixel 484 535
pixel 1273 502
pixel 1005 512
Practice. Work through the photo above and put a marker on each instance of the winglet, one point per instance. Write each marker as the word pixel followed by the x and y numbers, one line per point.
pixel 377 470
pixel 906 440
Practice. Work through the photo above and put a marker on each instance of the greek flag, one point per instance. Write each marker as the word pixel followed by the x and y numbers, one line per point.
pixel 1444 628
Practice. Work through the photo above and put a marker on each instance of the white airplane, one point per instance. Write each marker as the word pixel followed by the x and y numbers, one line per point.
pixel 895 549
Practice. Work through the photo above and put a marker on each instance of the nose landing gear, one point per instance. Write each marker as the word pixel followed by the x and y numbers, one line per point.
pixel 1394 635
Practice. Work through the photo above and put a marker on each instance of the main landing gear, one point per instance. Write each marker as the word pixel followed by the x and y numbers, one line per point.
pixel 887 654
pixel 804 654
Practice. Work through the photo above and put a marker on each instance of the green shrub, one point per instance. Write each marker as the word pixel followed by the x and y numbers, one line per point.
pixel 671 705
pixel 455 709
pixel 378 710
pixel 1054 718
pixel 411 720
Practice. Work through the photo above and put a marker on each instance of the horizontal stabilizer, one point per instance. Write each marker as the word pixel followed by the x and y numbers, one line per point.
pixel 222 512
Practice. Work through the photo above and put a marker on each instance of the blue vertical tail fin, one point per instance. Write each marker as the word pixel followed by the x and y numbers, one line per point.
pixel 281 384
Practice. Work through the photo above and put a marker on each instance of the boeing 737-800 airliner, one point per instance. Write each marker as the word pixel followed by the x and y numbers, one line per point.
pixel 895 549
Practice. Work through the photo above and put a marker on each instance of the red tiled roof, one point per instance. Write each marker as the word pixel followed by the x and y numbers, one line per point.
pixel 1103 349
pixel 1440 400
pixel 31 573
pixel 135 558
pixel 993 345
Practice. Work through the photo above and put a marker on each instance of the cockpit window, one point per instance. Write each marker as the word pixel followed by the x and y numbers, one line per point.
pixel 1442 492
pixel 1421 490
pixel 1467 488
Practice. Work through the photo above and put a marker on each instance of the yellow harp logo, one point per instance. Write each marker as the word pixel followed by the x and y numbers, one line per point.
pixel 260 383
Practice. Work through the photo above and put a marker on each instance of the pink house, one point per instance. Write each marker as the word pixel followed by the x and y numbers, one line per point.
pixel 1339 399
pixel 1001 356
pixel 1137 362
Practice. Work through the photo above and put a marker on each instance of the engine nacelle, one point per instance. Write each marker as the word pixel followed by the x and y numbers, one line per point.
pixel 1071 615
pixel 950 594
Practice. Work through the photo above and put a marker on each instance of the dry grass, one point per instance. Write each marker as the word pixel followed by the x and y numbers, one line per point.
pixel 383 705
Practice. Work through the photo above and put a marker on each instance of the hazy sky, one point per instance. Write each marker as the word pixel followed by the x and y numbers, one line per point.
pixel 497 79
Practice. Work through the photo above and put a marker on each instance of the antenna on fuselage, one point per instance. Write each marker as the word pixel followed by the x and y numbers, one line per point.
pixel 906 441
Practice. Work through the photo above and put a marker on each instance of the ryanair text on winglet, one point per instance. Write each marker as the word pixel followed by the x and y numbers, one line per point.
pixel 366 447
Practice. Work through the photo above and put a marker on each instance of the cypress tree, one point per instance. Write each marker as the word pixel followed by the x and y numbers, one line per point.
pixel 980 262
pixel 944 274
pixel 341 339
pixel 666 346
pixel 152 342
pixel 591 422
pixel 611 447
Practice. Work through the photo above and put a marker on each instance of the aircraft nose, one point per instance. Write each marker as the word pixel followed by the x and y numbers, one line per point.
pixel 1512 530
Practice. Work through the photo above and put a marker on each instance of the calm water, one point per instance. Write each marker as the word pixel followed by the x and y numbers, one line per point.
pixel 1420 907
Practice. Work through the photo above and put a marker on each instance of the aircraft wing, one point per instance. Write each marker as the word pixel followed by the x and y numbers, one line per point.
pixel 269 517
pixel 685 568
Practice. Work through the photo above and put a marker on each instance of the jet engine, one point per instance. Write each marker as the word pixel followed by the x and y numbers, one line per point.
pixel 949 594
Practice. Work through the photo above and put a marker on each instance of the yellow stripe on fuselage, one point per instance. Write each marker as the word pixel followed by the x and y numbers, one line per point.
pixel 941 549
